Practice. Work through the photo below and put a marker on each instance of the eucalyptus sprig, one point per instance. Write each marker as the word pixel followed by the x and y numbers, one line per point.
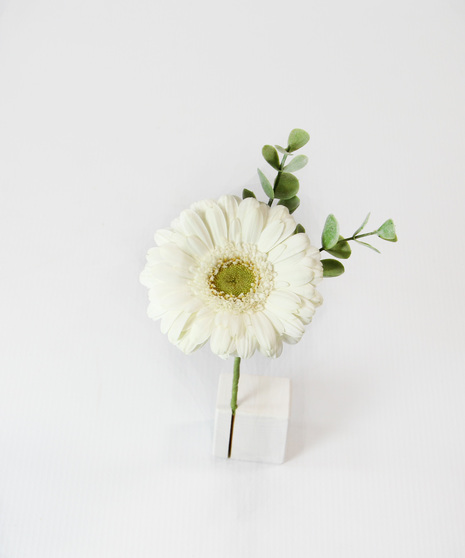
pixel 338 246
pixel 285 185
pixel 285 188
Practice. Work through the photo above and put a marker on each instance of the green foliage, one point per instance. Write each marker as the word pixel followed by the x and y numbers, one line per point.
pixel 247 194
pixel 332 268
pixel 341 249
pixel 266 185
pixel 368 245
pixel 283 151
pixel 297 139
pixel 362 226
pixel 286 186
pixel 330 235
pixel 271 156
pixel 297 163
pixel 387 231
pixel 292 203
pixel 299 229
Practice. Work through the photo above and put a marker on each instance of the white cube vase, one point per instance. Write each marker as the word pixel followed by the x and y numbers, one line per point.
pixel 261 421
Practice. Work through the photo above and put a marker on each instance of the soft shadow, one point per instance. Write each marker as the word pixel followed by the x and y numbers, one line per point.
pixel 324 406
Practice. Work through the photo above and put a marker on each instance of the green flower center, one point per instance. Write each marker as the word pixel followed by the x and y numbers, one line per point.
pixel 234 279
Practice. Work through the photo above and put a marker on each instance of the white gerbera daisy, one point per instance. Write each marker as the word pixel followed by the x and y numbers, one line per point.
pixel 233 272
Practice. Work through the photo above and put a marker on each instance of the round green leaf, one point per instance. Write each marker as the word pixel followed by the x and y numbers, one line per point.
pixel 332 268
pixel 299 229
pixel 271 156
pixel 330 235
pixel 297 163
pixel 266 185
pixel 341 249
pixel 297 139
pixel 247 194
pixel 387 231
pixel 292 203
pixel 286 186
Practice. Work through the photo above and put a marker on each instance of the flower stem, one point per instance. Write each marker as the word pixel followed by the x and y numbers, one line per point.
pixel 352 238
pixel 237 368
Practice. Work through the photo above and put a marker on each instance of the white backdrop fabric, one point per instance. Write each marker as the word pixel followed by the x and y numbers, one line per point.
pixel 115 116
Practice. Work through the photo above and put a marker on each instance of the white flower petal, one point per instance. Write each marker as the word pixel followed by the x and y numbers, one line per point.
pixel 162 236
pixel 252 226
pixel 234 323
pixel 297 276
pixel 278 213
pixel 202 206
pixel 286 301
pixel 155 310
pixel 246 345
pixel 235 231
pixel 251 220
pixel 176 298
pixel 293 330
pixel 202 325
pixel 176 257
pixel 220 341
pixel 305 291
pixel 216 222
pixel 246 206
pixel 265 211
pixel 196 247
pixel 276 252
pixel 274 319
pixel 306 311
pixel 229 205
pixel 154 255
pixel 165 272
pixel 278 348
pixel 289 228
pixel 264 332
pixel 187 343
pixel 270 236
pixel 176 328
pixel 148 275
pixel 194 225
pixel 169 318
pixel 293 245
pixel 317 299
pixel 286 263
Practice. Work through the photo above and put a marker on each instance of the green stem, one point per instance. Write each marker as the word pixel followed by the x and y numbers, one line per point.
pixel 353 238
pixel 235 386
pixel 276 180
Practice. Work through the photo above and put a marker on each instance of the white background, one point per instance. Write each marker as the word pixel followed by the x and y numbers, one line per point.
pixel 117 114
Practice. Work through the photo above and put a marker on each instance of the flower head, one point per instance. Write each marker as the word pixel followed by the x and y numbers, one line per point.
pixel 233 272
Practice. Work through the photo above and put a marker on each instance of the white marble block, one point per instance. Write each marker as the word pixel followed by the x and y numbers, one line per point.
pixel 262 417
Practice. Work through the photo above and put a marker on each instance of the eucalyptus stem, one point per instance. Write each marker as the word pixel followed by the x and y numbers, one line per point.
pixel 354 237
pixel 276 181
pixel 281 168
pixel 235 386
pixel 360 235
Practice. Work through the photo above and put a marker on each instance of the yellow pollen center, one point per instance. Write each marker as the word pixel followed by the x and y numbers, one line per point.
pixel 234 279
